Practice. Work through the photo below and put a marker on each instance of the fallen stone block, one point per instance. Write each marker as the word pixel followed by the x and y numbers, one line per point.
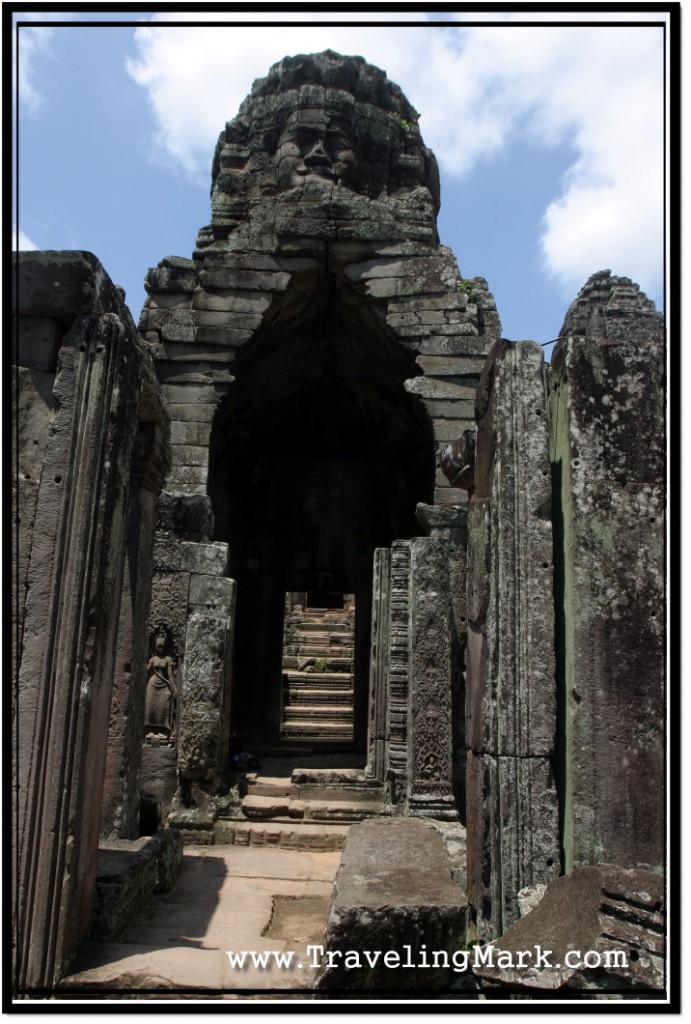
pixel 600 928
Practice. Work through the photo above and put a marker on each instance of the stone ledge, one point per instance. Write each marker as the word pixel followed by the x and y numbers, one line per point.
pixel 128 873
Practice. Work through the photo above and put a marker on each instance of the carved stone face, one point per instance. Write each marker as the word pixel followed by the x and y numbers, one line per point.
pixel 316 144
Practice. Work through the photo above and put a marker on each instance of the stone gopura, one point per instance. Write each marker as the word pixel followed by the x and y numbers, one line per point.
pixel 318 412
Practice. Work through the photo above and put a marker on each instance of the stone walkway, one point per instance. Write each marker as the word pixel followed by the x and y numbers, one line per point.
pixel 227 898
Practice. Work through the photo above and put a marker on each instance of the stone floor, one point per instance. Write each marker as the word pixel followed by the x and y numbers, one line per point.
pixel 227 898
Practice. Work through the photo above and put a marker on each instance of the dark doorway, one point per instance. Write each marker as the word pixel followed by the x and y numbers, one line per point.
pixel 318 456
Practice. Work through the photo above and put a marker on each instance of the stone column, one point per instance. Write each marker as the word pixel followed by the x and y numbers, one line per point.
pixel 512 812
pixel 204 722
pixel 608 452
pixel 71 615
pixel 120 813
pixel 377 738
pixel 430 734
pixel 399 670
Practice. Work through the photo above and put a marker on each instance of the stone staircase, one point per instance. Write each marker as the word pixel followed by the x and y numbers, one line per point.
pixel 318 674
pixel 302 808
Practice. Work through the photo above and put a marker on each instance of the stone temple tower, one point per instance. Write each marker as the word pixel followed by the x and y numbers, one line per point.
pixel 316 352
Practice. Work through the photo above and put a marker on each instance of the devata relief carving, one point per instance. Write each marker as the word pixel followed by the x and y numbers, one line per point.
pixel 161 693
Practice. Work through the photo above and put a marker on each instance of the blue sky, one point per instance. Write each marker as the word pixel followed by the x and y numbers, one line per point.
pixel 549 139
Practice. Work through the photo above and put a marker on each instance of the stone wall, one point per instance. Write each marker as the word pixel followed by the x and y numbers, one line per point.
pixel 84 391
pixel 607 414
pixel 565 661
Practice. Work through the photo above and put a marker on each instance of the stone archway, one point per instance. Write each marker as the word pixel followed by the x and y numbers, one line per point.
pixel 318 455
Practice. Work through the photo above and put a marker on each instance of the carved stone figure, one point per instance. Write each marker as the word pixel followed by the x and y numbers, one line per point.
pixel 161 693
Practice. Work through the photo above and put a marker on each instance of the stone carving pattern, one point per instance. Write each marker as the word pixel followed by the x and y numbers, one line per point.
pixel 399 667
pixel 430 702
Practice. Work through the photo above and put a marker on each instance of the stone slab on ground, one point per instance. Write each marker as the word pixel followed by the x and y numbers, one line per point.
pixel 394 893
pixel 231 899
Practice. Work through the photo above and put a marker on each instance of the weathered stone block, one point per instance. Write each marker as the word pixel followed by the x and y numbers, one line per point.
pixel 246 280
pixel 429 387
pixel 190 455
pixel 590 920
pixel 128 873
pixel 450 430
pixel 393 892
pixel 231 301
pixel 62 285
pixel 451 409
pixel 207 559
pixel 36 341
pixel 190 394
pixel 189 411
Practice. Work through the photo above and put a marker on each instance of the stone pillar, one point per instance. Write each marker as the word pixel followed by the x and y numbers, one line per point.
pixel 120 813
pixel 430 733
pixel 181 550
pixel 512 812
pixel 204 723
pixel 608 452
pixel 377 737
pixel 399 669
pixel 74 578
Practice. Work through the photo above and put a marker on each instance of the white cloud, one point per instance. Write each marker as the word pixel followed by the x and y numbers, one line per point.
pixel 597 91
pixel 21 240
pixel 34 44
pixel 34 49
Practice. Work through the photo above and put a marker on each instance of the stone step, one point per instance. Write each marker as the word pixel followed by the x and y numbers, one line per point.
pixel 325 664
pixel 336 810
pixel 304 695
pixel 315 651
pixel 320 680
pixel 293 835
pixel 366 795
pixel 310 712
pixel 313 731
pixel 333 636
pixel 269 786
pixel 301 654
pixel 262 807
pixel 307 629
pixel 354 807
